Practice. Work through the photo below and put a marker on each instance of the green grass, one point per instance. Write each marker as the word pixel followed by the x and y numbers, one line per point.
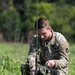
pixel 13 54
pixel 15 51
pixel 11 57
pixel 72 60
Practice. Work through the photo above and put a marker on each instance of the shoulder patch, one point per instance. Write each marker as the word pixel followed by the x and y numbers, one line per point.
pixel 65 47
pixel 67 50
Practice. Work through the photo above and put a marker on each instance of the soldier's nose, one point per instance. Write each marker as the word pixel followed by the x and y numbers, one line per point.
pixel 42 37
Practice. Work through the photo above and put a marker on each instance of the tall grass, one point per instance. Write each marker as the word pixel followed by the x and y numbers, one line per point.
pixel 72 60
pixel 11 57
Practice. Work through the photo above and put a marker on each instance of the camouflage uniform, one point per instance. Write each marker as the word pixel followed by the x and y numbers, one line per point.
pixel 56 49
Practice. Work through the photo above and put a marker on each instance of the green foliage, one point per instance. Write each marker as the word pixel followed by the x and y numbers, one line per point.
pixel 72 60
pixel 12 55
pixel 10 23
pixel 9 66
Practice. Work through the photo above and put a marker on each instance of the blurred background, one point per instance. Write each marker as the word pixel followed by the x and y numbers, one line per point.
pixel 17 18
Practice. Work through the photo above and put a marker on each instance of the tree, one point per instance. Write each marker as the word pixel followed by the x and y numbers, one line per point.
pixel 10 23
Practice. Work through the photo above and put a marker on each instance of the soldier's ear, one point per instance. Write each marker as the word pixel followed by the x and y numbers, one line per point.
pixel 50 28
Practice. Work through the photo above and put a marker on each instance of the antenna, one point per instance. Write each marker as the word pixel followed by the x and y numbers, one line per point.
pixel 36 59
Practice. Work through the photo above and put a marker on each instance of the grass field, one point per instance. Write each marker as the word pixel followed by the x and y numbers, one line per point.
pixel 13 54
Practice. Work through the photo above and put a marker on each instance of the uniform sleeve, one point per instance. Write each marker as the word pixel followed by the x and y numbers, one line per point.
pixel 64 52
pixel 32 52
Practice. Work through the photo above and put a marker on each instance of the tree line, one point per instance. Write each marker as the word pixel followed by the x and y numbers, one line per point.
pixel 17 18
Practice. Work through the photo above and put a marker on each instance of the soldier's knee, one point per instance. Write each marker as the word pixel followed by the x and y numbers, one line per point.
pixel 39 73
pixel 22 69
pixel 25 70
pixel 22 66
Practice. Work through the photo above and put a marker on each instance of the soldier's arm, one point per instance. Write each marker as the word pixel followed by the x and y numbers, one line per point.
pixel 32 52
pixel 64 52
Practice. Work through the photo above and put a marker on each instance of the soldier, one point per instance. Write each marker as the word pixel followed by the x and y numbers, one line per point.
pixel 53 51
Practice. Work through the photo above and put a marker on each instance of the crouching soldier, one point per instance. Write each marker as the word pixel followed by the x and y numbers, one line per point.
pixel 53 51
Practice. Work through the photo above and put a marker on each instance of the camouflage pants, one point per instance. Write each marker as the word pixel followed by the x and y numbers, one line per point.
pixel 41 70
pixel 25 70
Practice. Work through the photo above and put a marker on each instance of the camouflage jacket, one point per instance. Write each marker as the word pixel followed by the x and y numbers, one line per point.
pixel 56 49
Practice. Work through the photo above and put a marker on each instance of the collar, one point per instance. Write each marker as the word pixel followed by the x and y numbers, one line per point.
pixel 52 41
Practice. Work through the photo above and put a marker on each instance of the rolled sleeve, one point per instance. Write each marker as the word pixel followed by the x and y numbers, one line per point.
pixel 31 58
pixel 62 63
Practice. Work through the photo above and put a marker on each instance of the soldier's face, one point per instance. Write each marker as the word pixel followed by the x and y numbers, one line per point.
pixel 45 33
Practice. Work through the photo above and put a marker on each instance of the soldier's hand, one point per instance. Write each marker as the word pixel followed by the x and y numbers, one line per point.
pixel 50 63
pixel 32 70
